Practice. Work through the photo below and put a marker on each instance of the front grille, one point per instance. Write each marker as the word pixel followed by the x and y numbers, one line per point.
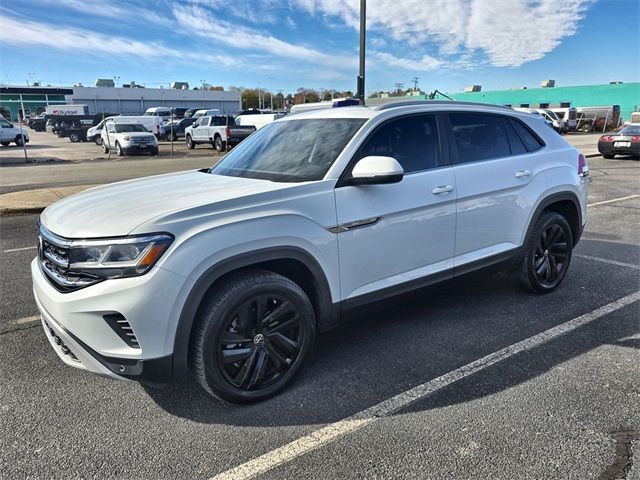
pixel 58 341
pixel 123 329
pixel 141 140
pixel 53 252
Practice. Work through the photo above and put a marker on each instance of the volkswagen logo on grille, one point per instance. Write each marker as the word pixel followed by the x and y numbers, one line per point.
pixel 258 339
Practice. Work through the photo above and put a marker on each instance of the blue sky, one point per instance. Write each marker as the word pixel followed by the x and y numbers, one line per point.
pixel 284 44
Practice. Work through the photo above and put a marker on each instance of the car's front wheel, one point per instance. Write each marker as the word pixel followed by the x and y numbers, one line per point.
pixel 119 150
pixel 190 143
pixel 19 140
pixel 608 156
pixel 98 140
pixel 253 334
pixel 547 253
pixel 5 144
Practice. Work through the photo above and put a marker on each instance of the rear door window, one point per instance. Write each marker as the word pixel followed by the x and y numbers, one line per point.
pixel 479 136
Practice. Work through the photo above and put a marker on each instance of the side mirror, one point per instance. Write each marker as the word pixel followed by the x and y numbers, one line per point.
pixel 376 170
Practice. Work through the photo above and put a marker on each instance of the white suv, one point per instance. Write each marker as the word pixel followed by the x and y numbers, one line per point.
pixel 229 272
pixel 127 137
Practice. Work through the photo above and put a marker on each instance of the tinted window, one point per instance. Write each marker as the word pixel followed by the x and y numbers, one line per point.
pixel 630 130
pixel 290 151
pixel 517 146
pixel 530 141
pixel 479 136
pixel 412 141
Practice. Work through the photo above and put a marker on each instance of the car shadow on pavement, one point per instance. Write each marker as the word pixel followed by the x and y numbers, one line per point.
pixel 387 348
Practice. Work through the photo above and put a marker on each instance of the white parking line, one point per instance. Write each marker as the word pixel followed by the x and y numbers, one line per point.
pixel 606 260
pixel 331 432
pixel 21 321
pixel 19 249
pixel 612 200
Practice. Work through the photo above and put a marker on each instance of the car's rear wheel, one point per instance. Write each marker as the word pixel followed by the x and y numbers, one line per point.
pixel 547 253
pixel 19 140
pixel 74 137
pixel 608 156
pixel 218 144
pixel 254 333
pixel 5 144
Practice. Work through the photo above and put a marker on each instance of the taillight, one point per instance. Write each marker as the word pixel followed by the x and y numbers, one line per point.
pixel 583 168
pixel 606 138
pixel 635 138
pixel 228 132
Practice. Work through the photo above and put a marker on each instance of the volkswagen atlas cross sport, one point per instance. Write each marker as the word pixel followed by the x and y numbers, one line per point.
pixel 229 272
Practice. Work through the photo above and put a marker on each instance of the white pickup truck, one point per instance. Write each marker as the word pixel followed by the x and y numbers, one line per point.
pixel 219 131
pixel 10 134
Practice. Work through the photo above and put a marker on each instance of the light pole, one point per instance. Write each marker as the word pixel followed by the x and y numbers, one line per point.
pixel 363 26
pixel 271 91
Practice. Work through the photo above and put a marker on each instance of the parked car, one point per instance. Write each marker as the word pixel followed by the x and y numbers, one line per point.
pixel 231 271
pixel 127 138
pixel 93 134
pixel 190 112
pixel 209 112
pixel 10 134
pixel 557 124
pixel 177 127
pixel 38 122
pixel 624 142
pixel 220 131
pixel 163 112
pixel 257 121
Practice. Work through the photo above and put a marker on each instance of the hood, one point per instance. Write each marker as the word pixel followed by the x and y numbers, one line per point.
pixel 117 209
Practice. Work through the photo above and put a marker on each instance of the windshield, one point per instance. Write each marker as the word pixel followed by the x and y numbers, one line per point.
pixel 552 114
pixel 136 127
pixel 291 151
pixel 631 130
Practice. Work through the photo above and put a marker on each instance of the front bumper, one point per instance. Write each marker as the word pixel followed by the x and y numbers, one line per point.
pixel 133 148
pixel 75 326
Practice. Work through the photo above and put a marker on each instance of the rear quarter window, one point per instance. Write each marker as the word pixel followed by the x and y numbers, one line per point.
pixel 530 141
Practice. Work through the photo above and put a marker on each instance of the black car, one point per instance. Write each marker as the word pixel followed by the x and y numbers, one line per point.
pixel 178 128
pixel 624 142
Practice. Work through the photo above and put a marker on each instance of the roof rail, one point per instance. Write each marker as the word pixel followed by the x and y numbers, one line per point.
pixel 410 103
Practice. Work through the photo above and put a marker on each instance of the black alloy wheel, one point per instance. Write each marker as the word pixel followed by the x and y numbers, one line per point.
pixel 548 253
pixel 260 342
pixel 252 337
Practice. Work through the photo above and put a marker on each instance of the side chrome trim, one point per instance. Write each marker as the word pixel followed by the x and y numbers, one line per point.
pixel 345 227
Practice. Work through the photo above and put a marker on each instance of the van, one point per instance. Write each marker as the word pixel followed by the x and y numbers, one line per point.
pixel 210 112
pixel 163 112
pixel 153 123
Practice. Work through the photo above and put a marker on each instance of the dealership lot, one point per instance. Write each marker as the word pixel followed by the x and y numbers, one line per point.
pixel 567 407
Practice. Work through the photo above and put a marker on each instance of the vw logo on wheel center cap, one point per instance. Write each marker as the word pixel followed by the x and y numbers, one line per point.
pixel 258 339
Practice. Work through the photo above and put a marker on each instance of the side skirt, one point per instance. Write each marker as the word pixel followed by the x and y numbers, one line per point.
pixel 504 257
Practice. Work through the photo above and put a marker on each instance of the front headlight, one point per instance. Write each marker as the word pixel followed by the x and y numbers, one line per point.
pixel 117 258
pixel 126 138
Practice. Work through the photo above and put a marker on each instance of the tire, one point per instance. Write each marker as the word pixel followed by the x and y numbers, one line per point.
pixel 266 357
pixel 218 144
pixel 18 140
pixel 154 151
pixel 98 140
pixel 105 149
pixel 547 253
pixel 190 143
pixel 608 156
pixel 5 144
pixel 119 150
pixel 74 137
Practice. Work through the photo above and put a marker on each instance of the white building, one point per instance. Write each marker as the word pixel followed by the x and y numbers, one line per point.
pixel 134 101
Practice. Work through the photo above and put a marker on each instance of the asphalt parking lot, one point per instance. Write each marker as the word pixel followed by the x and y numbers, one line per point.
pixel 564 404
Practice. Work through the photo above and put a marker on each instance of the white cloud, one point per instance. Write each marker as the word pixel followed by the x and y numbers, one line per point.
pixel 123 12
pixel 507 32
pixel 24 32
pixel 426 62
pixel 202 23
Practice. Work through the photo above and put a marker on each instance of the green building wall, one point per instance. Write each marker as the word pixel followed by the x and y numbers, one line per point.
pixel 32 102
pixel 627 95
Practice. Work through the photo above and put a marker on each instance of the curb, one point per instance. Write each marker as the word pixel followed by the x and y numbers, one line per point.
pixel 6 212
pixel 36 200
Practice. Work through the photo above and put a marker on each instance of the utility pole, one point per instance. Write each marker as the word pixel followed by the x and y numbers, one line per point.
pixel 399 87
pixel 363 27
pixel 414 80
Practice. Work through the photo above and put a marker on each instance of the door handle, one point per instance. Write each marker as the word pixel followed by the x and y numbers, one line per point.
pixel 523 173
pixel 442 189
